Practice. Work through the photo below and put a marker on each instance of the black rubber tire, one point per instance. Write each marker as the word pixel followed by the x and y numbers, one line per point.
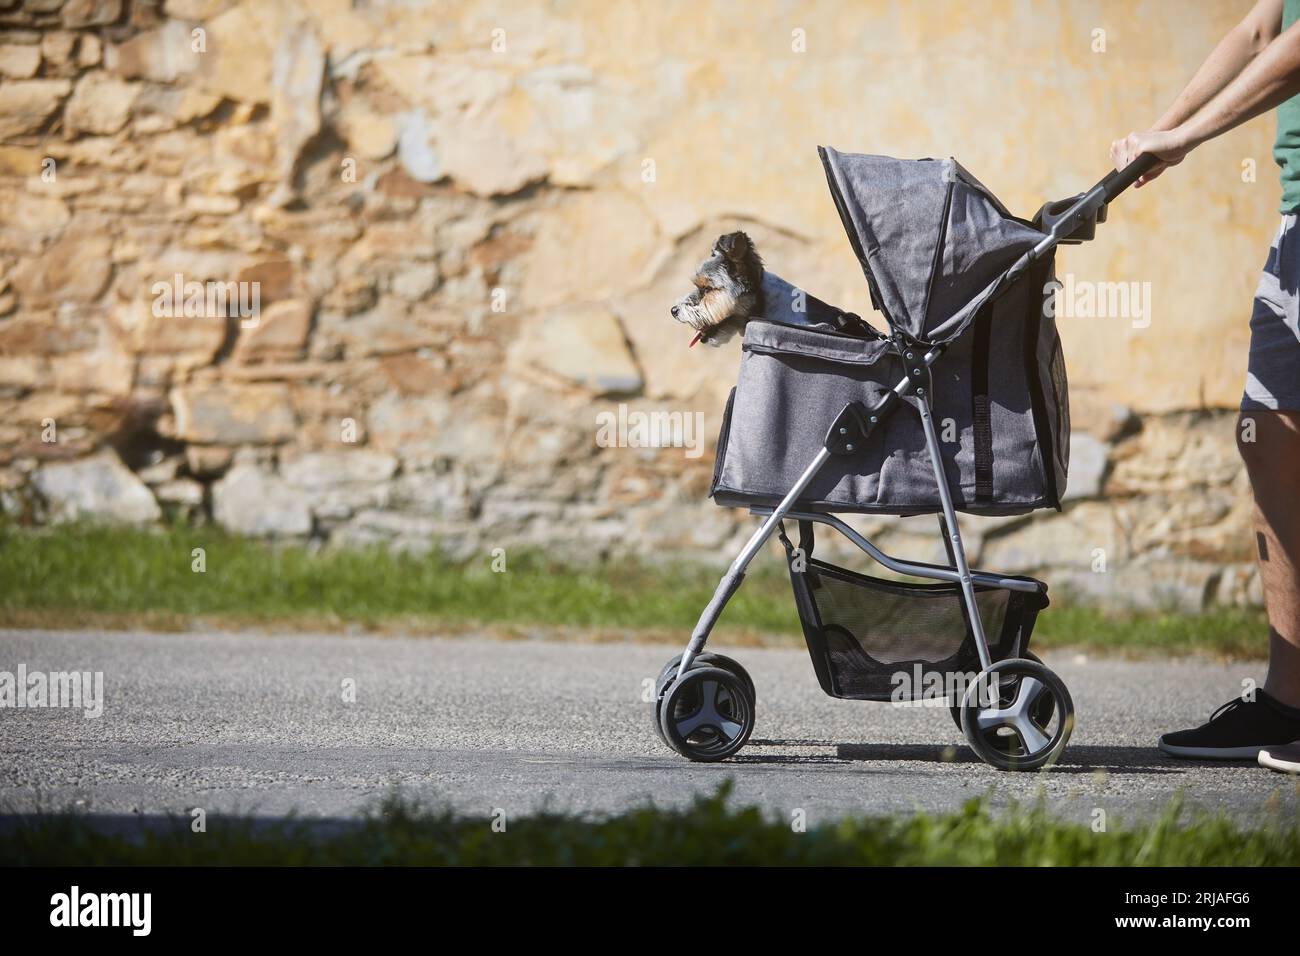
pixel 1005 757
pixel 707 715
pixel 1046 700
pixel 705 659
pixel 669 672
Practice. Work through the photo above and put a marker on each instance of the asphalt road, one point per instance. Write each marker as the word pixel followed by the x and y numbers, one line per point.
pixel 257 724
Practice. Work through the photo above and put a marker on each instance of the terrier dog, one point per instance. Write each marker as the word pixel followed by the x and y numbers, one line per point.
pixel 728 291
pixel 732 287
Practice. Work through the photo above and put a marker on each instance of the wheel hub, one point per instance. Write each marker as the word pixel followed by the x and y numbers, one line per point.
pixel 1018 716
pixel 714 699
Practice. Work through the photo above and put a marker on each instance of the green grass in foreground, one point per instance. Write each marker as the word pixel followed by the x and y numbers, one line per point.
pixel 710 832
pixel 87 576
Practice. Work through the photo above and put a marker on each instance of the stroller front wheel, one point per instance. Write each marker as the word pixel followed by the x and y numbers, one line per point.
pixel 1006 720
pixel 705 659
pixel 669 673
pixel 708 714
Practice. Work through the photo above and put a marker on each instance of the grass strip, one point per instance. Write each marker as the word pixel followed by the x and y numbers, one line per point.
pixel 86 576
pixel 710 832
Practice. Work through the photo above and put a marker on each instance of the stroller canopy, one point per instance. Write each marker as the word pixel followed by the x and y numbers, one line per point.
pixel 932 240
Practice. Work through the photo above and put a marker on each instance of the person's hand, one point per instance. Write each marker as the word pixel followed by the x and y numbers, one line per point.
pixel 1168 146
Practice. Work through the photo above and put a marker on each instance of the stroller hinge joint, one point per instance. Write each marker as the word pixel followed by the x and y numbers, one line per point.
pixel 848 433
pixel 918 373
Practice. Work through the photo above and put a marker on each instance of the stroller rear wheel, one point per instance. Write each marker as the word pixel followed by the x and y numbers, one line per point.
pixel 1013 734
pixel 1044 708
pixel 708 714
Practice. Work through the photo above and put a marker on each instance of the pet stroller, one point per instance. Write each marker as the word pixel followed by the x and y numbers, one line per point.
pixel 810 431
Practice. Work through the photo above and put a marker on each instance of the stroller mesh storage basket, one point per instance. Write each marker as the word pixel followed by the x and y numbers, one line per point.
pixel 874 639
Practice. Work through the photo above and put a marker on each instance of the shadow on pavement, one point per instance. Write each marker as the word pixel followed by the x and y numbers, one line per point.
pixel 1077 759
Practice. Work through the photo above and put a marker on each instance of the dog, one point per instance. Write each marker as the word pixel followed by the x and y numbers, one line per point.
pixel 731 287
pixel 727 293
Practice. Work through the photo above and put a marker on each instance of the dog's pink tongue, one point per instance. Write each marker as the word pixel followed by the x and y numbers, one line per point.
pixel 698 336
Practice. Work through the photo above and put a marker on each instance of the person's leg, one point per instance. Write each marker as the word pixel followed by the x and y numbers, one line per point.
pixel 1273 463
pixel 1269 442
pixel 1264 725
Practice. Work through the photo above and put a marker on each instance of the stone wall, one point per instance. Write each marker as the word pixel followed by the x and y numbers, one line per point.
pixel 464 223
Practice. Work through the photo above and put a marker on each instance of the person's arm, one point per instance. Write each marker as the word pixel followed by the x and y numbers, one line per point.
pixel 1236 54
pixel 1239 47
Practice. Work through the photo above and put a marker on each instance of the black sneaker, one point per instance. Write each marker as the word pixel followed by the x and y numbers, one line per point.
pixel 1237 731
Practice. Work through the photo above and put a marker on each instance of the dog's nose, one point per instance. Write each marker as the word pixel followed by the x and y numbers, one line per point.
pixel 673 310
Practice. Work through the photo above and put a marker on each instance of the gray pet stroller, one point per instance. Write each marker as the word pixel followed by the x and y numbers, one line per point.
pixel 809 432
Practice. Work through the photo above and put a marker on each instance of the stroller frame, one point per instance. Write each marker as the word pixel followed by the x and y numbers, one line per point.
pixel 1066 221
pixel 916 381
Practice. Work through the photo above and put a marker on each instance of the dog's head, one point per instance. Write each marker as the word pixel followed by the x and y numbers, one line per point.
pixel 727 292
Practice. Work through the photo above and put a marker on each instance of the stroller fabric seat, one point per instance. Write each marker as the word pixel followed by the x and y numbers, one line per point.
pixel 936 248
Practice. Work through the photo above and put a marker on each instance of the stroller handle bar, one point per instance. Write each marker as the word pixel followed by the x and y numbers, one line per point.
pixel 1074 220
pixel 1118 180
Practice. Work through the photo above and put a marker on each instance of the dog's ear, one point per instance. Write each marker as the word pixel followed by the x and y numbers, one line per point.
pixel 734 246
